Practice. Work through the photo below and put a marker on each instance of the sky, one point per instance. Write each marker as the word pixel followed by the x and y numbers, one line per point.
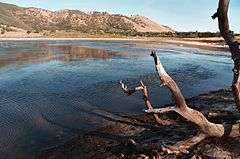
pixel 181 15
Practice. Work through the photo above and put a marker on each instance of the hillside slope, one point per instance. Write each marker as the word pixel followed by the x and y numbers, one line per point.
pixel 41 19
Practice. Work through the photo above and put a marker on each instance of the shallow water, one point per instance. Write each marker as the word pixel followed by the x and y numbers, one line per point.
pixel 51 90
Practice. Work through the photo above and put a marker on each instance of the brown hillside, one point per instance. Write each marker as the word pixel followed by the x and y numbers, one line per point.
pixel 86 22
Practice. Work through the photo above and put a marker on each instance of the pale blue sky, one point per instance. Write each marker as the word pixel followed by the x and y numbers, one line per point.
pixel 181 15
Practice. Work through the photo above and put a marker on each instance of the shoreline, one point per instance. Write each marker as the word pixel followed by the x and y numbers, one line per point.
pixel 70 39
pixel 197 44
pixel 113 141
pixel 87 146
pixel 202 43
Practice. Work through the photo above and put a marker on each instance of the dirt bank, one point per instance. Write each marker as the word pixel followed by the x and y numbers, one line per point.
pixel 140 137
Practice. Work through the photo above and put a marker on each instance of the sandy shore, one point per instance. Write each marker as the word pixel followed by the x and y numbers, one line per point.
pixel 62 39
pixel 203 43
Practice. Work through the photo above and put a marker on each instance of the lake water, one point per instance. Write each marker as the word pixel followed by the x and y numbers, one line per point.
pixel 51 90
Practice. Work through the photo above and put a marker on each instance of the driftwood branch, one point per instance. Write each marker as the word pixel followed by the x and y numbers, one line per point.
pixel 142 88
pixel 228 35
pixel 207 128
pixel 183 146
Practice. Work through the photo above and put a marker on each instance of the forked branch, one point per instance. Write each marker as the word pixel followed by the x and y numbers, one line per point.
pixel 142 88
pixel 207 128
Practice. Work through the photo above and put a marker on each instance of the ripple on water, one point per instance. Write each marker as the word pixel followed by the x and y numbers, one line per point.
pixel 51 90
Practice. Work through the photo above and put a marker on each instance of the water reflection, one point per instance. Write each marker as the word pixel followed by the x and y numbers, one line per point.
pixel 53 89
pixel 76 53
pixel 60 53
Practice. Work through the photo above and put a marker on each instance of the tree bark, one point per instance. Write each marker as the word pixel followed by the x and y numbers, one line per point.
pixel 228 35
pixel 146 99
pixel 207 128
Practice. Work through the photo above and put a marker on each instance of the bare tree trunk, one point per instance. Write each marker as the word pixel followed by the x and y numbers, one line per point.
pixel 228 35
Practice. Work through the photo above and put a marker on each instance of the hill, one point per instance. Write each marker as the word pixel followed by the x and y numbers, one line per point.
pixel 85 22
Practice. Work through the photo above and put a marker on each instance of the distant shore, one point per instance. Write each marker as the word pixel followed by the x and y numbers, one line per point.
pixel 215 43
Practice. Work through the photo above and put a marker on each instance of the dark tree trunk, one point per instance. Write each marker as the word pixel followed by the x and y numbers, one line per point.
pixel 228 35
